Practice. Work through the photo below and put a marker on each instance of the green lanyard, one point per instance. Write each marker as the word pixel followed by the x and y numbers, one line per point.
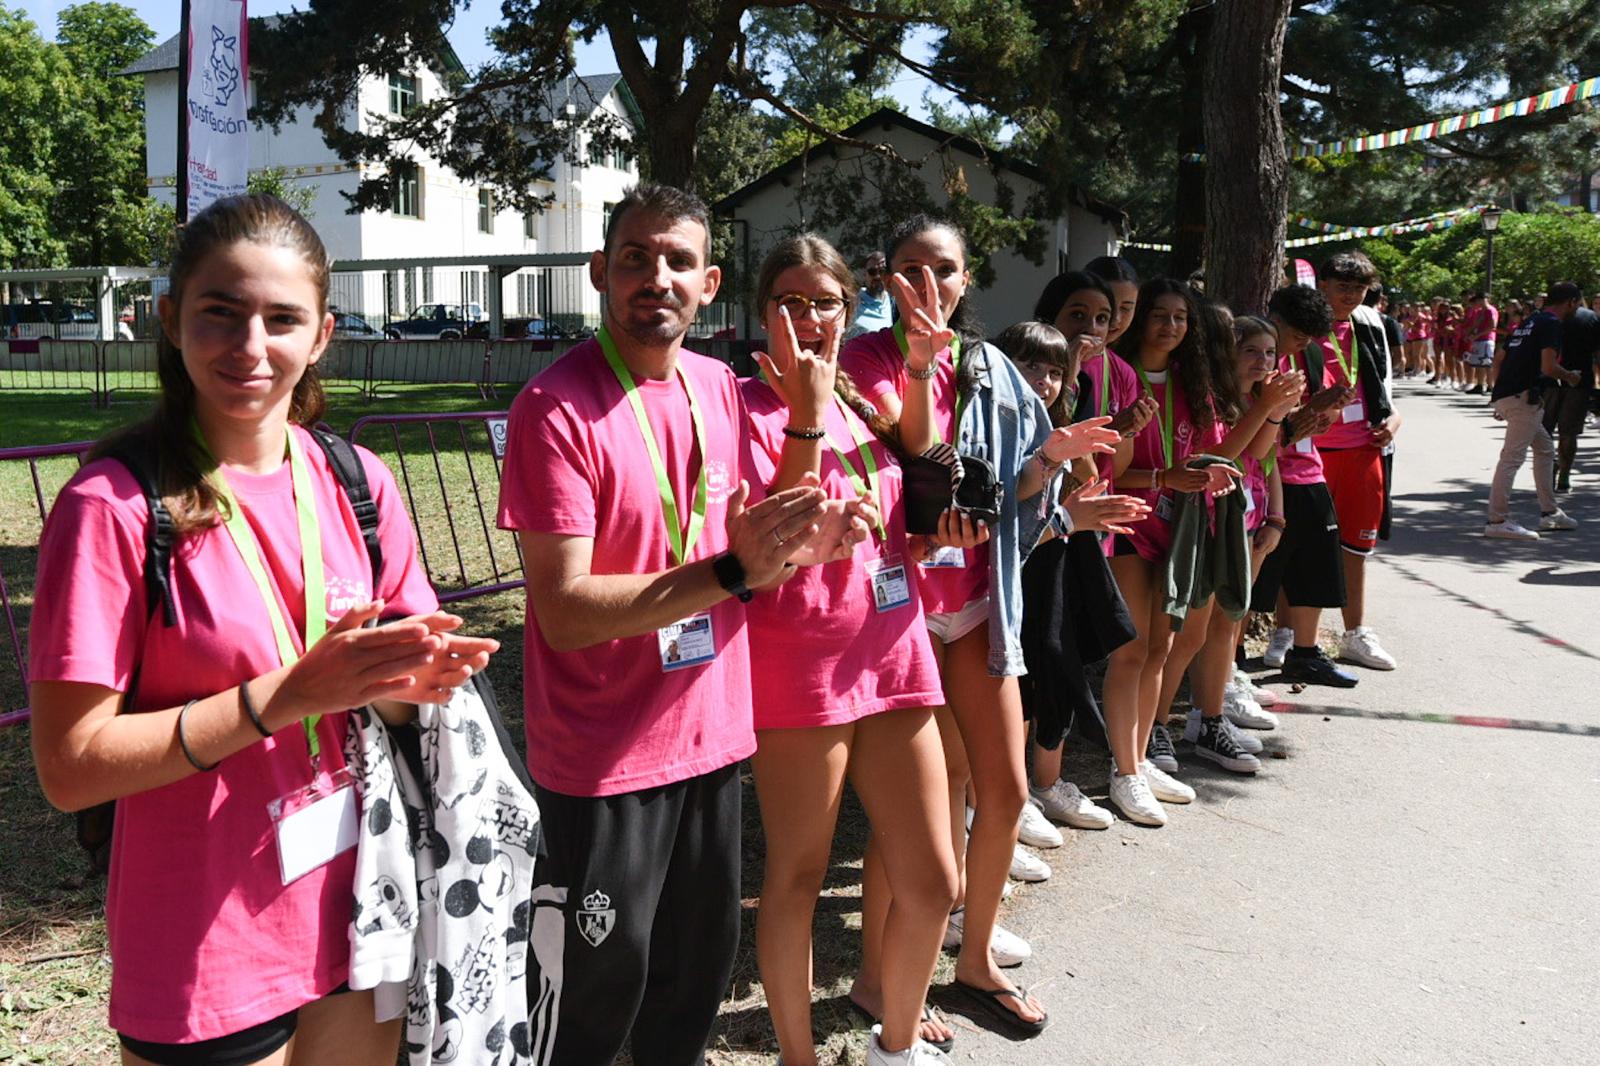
pixel 1166 411
pixel 1351 363
pixel 955 358
pixel 863 482
pixel 1105 382
pixel 305 506
pixel 680 541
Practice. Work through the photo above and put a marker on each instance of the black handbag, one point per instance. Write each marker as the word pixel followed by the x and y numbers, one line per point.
pixel 939 479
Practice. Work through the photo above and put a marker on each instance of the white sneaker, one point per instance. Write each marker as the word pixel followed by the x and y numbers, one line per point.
pixel 1265 697
pixel 1278 646
pixel 920 1053
pixel 1133 798
pixel 1035 830
pixel 1240 709
pixel 1063 802
pixel 1163 786
pixel 1026 866
pixel 1005 947
pixel 1508 530
pixel 1360 646
pixel 1558 521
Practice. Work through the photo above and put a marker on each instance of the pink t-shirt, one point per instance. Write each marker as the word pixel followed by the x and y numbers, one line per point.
pixel 1350 429
pixel 206 940
pixel 1300 463
pixel 610 718
pixel 1254 485
pixel 1107 397
pixel 875 363
pixel 1482 321
pixel 1152 537
pixel 823 653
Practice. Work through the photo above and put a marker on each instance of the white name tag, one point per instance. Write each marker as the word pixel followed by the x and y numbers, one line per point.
pixel 947 558
pixel 314 825
pixel 1164 507
pixel 687 643
pixel 1249 502
pixel 890 588
pixel 1356 412
pixel 1304 445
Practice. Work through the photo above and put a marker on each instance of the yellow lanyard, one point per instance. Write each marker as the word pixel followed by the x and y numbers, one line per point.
pixel 864 482
pixel 680 540
pixel 1166 412
pixel 311 567
pixel 1350 363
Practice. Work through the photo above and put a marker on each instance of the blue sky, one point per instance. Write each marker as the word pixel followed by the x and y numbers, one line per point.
pixel 467 36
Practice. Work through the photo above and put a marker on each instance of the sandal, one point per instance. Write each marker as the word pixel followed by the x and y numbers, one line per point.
pixel 927 1016
pixel 993 1014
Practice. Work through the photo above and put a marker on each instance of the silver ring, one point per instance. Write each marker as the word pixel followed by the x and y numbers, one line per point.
pixel 776 537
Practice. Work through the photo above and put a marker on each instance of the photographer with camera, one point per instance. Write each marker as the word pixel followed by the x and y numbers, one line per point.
pixel 1532 364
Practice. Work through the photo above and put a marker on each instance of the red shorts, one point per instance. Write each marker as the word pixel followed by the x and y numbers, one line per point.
pixel 1355 481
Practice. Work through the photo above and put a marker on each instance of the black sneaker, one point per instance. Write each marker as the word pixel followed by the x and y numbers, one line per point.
pixel 1563 481
pixel 1316 669
pixel 1160 750
pixel 1217 743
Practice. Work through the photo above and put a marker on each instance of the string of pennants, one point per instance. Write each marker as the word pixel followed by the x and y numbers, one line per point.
pixel 1548 100
pixel 1332 232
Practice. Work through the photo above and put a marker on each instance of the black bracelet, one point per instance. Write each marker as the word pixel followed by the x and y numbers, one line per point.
pixel 183 742
pixel 806 432
pixel 250 709
pixel 1276 421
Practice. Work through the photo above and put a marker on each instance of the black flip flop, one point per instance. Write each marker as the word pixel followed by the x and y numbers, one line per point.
pixel 927 1016
pixel 992 1013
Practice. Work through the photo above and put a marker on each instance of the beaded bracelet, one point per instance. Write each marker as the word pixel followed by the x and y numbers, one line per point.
pixel 250 709
pixel 805 432
pixel 922 375
pixel 183 741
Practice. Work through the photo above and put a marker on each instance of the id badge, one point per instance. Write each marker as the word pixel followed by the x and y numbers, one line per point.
pixel 947 558
pixel 315 824
pixel 890 588
pixel 686 643
pixel 1356 412
pixel 1164 507
pixel 1303 445
pixel 1249 502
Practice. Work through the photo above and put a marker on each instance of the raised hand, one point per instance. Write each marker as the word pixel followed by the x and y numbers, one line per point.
pixel 1084 346
pixel 802 377
pixel 351 666
pixel 1280 392
pixel 927 333
pixel 765 538
pixel 1092 510
pixel 458 658
pixel 1088 437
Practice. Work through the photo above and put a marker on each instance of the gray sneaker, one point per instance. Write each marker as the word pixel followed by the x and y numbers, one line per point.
pixel 1160 750
pixel 1219 743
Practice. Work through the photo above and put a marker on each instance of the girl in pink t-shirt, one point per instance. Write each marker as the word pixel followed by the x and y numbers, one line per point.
pixel 229 927
pixel 843 677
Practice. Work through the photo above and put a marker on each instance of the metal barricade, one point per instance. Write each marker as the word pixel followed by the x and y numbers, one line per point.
pixel 127 366
pixel 448 467
pixel 345 364
pixel 50 365
pixel 514 363
pixel 425 362
pixel 31 477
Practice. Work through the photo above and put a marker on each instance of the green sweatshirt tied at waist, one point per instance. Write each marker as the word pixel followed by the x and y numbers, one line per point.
pixel 1207 559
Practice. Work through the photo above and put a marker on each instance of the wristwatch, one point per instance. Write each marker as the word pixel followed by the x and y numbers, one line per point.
pixel 730 575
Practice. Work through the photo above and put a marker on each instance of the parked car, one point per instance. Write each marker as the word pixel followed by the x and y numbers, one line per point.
pixel 445 322
pixel 42 318
pixel 519 329
pixel 354 327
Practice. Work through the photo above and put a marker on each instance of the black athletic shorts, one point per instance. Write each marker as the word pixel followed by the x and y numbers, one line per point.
pixel 1307 563
pixel 235 1049
pixel 1564 411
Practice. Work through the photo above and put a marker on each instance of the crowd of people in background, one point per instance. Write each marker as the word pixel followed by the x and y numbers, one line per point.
pixel 898 556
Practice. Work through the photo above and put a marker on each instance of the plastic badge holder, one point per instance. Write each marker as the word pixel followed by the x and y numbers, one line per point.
pixel 315 824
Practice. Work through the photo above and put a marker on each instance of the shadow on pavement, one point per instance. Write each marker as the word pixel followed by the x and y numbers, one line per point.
pixel 1480 721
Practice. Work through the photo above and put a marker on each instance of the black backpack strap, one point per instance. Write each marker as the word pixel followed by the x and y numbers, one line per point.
pixel 352 477
pixel 159 533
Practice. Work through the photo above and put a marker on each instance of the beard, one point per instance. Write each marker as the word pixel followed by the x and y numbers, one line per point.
pixel 655 330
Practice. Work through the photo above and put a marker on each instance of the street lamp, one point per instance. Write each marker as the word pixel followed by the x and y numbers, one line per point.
pixel 1491 223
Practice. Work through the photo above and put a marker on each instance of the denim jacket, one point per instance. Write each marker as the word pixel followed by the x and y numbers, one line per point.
pixel 1005 424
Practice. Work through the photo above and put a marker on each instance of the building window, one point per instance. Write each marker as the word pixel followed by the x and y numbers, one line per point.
pixel 622 157
pixel 485 211
pixel 402 93
pixel 406 197
pixel 528 231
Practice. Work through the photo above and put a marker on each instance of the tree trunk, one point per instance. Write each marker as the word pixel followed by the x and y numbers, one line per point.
pixel 670 137
pixel 1189 234
pixel 1247 166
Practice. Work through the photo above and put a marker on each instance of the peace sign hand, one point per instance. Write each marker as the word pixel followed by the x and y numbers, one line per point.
pixel 802 377
pixel 923 318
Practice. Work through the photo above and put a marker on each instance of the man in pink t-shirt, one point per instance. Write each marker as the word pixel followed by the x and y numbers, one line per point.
pixel 625 478
pixel 1482 320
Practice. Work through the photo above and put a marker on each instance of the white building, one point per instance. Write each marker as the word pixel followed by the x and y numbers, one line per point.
pixel 433 213
pixel 776 204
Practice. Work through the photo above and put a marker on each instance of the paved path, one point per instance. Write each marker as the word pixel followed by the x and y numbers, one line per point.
pixel 1396 890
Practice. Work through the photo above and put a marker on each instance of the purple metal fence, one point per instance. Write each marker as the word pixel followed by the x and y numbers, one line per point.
pixel 448 466
pixel 19 532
